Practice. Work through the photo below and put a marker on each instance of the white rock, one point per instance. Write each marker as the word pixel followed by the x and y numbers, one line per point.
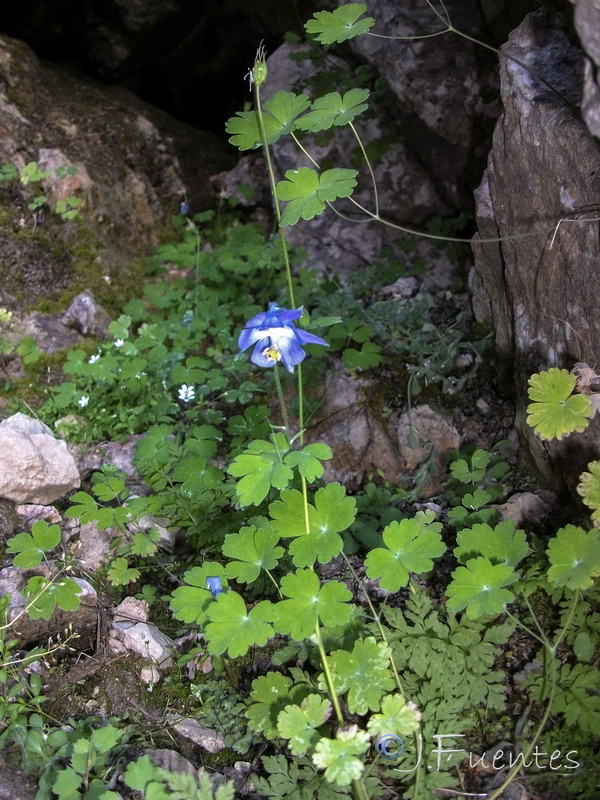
pixel 34 467
pixel 142 638
pixel 131 610
pixel 204 737
pixel 21 422
pixel 150 675
pixel 94 545
pixel 30 513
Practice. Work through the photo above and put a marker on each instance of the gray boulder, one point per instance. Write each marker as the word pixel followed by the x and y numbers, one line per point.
pixel 538 287
pixel 34 466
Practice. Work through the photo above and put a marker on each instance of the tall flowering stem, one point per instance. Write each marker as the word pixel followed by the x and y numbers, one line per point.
pixel 258 76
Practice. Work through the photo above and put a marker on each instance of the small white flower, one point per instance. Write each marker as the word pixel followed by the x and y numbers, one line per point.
pixel 83 400
pixel 186 393
pixel 119 343
pixel 93 359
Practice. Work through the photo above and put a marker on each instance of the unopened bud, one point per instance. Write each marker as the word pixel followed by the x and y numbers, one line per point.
pixel 259 70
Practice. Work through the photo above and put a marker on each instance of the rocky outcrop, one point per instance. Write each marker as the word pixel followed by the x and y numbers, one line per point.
pixel 587 23
pixel 427 131
pixel 34 466
pixel 134 165
pixel 538 286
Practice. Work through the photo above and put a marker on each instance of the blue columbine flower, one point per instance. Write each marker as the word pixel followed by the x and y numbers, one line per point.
pixel 276 338
pixel 214 586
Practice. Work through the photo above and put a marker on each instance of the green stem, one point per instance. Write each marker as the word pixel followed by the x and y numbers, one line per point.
pixel 328 676
pixel 375 615
pixel 288 272
pixel 542 640
pixel 359 790
pixel 274 582
pixel 273 182
pixel 304 150
pixel 369 167
pixel 551 653
pixel 284 414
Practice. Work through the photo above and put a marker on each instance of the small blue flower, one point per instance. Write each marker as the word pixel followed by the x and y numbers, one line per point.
pixel 276 338
pixel 184 208
pixel 214 586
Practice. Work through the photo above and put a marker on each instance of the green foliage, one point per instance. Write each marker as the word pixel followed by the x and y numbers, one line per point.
pixel 296 780
pixel 340 25
pixel 412 546
pixel 351 667
pixel 364 673
pixel 280 118
pixel 331 513
pixel 87 757
pixel 589 488
pixel 340 757
pixel 333 109
pixel 31 173
pixel 32 549
pixel 555 412
pixel 306 192
pixel 452 656
pixel 234 629
pixel 260 468
pixel 502 544
pixel 576 695
pixel 575 558
pixel 190 603
pixel 478 587
pixel 397 717
pixel 68 208
pixel 270 695
pixel 45 595
pixel 309 604
pixel 28 350
pixel 157 783
pixel 299 724
pixel 251 551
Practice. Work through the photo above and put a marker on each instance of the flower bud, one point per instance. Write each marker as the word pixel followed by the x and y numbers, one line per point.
pixel 259 70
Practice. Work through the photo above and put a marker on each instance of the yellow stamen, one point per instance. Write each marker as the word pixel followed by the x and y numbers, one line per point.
pixel 272 353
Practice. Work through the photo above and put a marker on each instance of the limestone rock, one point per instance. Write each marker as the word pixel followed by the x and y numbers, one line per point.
pixel 32 512
pixel 587 23
pixel 130 631
pixel 204 737
pixel 93 546
pixel 539 292
pixel 134 166
pixel 435 123
pixel 119 454
pixel 87 316
pixel 34 467
pixel 348 424
pixel 425 435
pixel 23 424
pixel 535 510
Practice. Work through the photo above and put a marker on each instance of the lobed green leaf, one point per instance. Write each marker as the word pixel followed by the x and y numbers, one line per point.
pixel 338 26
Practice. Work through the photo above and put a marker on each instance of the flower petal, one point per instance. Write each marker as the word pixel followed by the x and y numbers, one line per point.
pixel 249 336
pixel 259 354
pixel 291 353
pixel 304 337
